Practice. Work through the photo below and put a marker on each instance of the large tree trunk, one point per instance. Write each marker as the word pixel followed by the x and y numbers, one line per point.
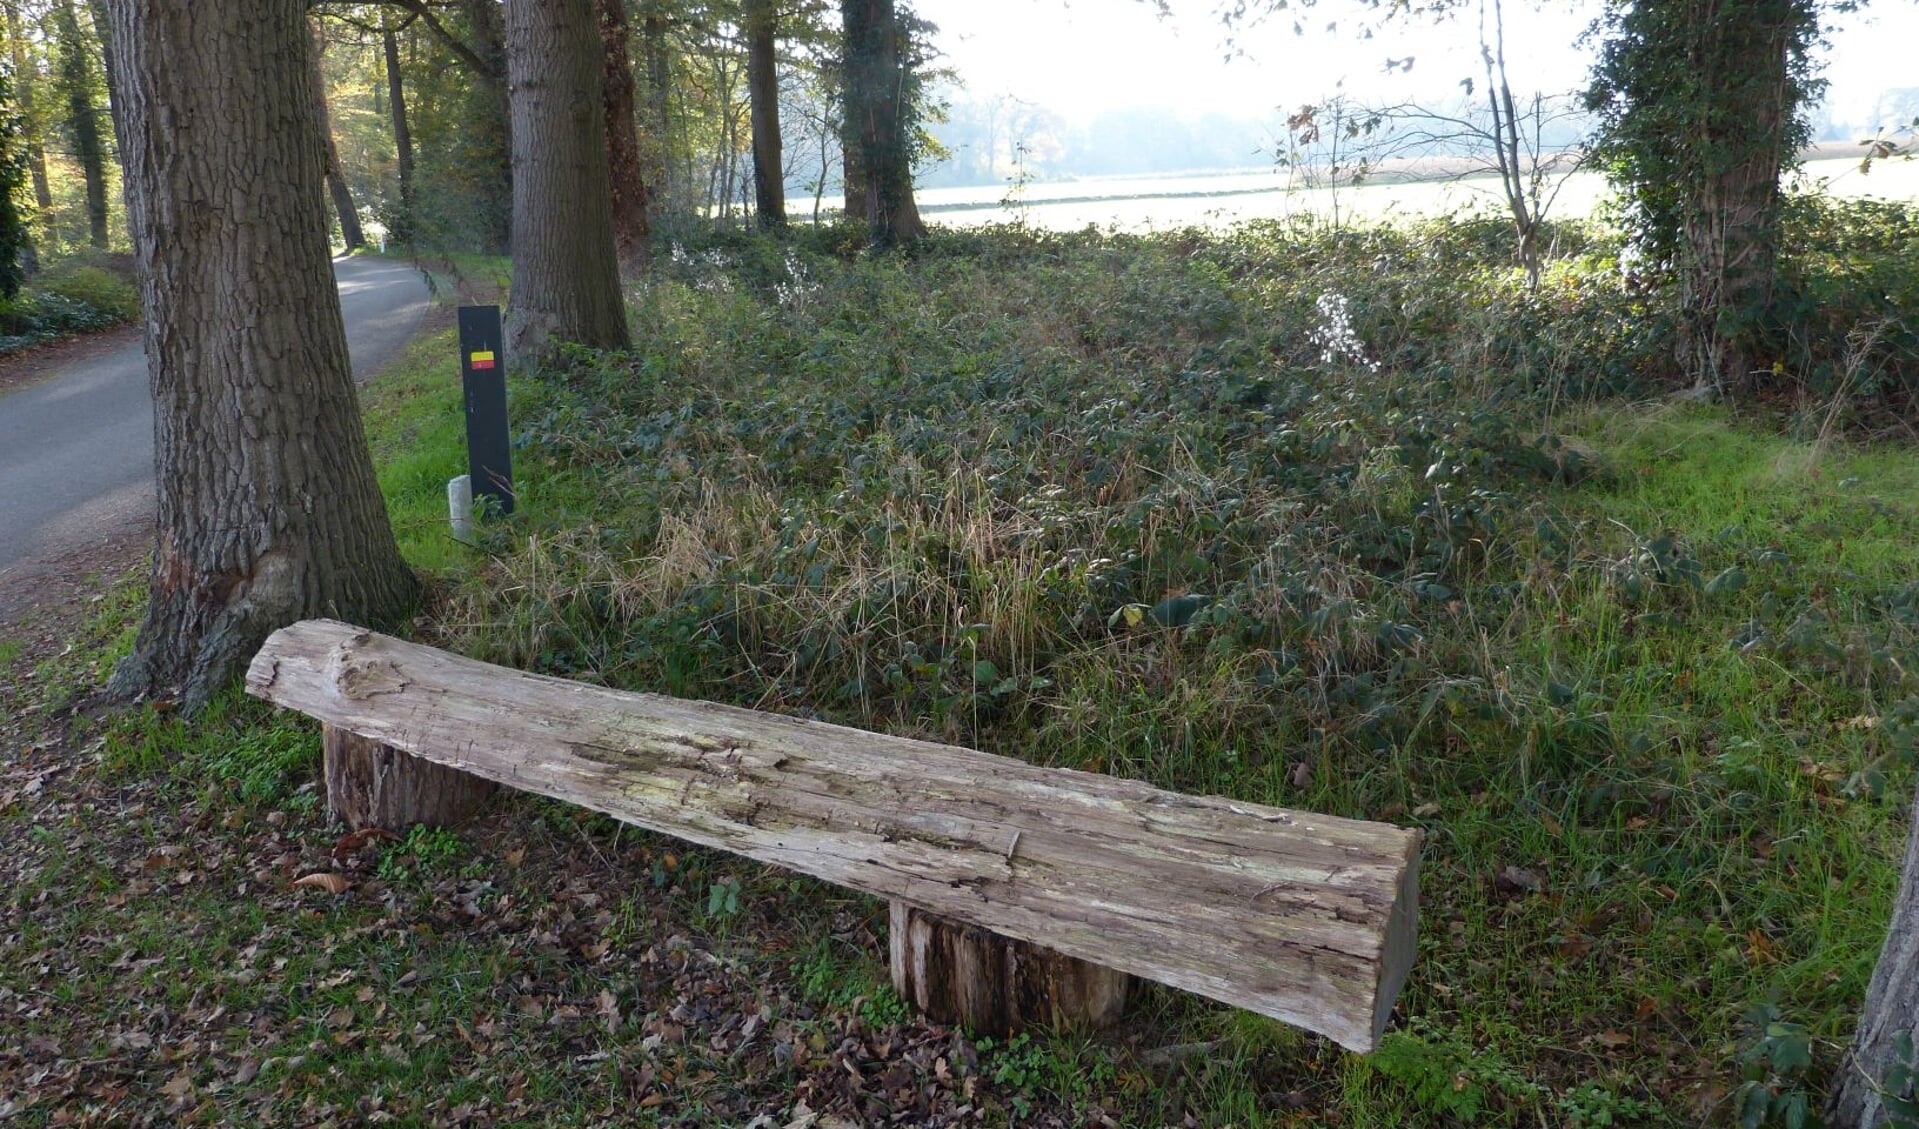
pixel 619 99
pixel 1892 1006
pixel 763 87
pixel 24 79
pixel 350 232
pixel 878 118
pixel 83 117
pixel 852 180
pixel 268 510
pixel 566 276
pixel 401 226
pixel 1732 228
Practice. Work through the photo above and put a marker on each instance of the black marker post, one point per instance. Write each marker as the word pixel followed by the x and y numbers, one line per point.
pixel 489 456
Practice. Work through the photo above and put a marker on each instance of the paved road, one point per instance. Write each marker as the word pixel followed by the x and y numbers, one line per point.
pixel 76 449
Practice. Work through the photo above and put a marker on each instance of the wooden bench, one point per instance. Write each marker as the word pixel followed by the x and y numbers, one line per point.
pixel 1020 894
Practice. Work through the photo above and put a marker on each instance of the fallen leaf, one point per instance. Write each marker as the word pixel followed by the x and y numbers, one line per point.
pixel 179 1088
pixel 1515 879
pixel 335 884
pixel 353 841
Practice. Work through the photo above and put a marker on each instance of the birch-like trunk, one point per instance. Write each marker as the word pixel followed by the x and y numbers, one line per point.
pixel 267 507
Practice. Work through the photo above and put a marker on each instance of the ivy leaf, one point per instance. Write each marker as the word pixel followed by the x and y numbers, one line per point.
pixel 1727 582
pixel 1177 611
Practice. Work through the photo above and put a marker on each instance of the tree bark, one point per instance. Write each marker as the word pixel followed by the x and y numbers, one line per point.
pixel 1892 1005
pixel 103 28
pixel 957 973
pixel 401 227
pixel 350 232
pixel 267 510
pixel 566 275
pixel 24 77
pixel 659 118
pixel 373 785
pixel 763 87
pixel 630 194
pixel 878 119
pixel 1732 228
pixel 852 179
pixel 83 118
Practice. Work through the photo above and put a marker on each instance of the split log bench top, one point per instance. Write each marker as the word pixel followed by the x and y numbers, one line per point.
pixel 1305 918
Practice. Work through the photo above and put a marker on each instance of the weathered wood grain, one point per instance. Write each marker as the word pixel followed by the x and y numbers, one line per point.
pixel 957 973
pixel 373 785
pixel 1306 918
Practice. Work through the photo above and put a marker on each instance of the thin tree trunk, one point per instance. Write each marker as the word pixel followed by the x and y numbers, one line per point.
pixel 566 276
pixel 24 78
pixel 489 30
pixel 659 118
pixel 763 88
pixel 622 138
pixel 268 511
pixel 83 118
pixel 402 226
pixel 103 28
pixel 350 232
pixel 1892 1006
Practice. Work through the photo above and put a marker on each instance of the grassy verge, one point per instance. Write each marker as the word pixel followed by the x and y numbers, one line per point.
pixel 1346 523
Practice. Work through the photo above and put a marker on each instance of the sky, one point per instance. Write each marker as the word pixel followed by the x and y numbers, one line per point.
pixel 1077 57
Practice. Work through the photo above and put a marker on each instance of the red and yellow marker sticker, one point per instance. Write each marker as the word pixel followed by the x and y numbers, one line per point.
pixel 480 360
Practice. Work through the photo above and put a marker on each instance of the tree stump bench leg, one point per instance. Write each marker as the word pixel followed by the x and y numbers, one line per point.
pixel 954 973
pixel 373 785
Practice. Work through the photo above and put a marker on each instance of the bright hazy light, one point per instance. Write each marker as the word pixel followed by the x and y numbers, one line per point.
pixel 1080 57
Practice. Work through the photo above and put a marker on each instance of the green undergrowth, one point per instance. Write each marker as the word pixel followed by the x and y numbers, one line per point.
pixel 1347 522
pixel 82 294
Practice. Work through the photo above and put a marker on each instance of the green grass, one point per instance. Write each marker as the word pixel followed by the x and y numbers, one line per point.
pixel 1630 664
pixel 1639 672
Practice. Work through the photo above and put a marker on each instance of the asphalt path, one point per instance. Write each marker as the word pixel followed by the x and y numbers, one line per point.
pixel 76 447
